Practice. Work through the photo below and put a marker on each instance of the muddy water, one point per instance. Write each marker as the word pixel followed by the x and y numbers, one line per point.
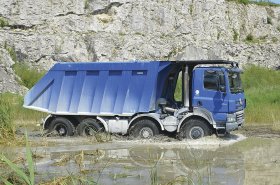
pixel 250 161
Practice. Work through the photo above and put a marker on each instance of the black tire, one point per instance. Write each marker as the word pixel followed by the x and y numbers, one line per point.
pixel 144 129
pixel 194 129
pixel 89 127
pixel 62 126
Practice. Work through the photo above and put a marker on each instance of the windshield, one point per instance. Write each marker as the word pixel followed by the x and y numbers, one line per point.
pixel 235 82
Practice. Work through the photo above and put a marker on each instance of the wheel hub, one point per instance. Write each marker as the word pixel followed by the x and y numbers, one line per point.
pixel 196 133
pixel 146 132
pixel 61 131
pixel 90 131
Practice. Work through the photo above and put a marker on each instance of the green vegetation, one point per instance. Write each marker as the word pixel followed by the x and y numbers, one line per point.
pixel 3 23
pixel 7 129
pixel 191 9
pixel 235 35
pixel 250 38
pixel 12 112
pixel 11 51
pixel 274 39
pixel 269 20
pixel 262 89
pixel 178 89
pixel 260 3
pixel 28 76
pixel 86 4
pixel 22 177
pixel 21 114
pixel 278 28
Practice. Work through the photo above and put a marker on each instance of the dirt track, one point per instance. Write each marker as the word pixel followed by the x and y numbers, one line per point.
pixel 264 131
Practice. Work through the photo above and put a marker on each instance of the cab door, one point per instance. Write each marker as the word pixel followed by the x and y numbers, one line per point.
pixel 209 92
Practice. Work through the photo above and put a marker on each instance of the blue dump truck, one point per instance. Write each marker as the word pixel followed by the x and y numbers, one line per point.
pixel 137 98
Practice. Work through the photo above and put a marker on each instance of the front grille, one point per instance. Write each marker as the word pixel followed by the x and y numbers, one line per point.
pixel 240 117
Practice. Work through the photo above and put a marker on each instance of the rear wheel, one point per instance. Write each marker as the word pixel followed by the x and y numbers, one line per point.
pixel 62 126
pixel 144 129
pixel 195 129
pixel 89 127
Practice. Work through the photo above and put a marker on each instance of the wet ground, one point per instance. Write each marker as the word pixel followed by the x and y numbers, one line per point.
pixel 234 159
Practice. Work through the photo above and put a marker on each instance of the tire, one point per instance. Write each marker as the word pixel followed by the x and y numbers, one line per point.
pixel 195 159
pixel 89 127
pixel 62 126
pixel 144 129
pixel 146 157
pixel 194 129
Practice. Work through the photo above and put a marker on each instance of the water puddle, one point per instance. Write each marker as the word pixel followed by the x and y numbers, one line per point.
pixel 210 161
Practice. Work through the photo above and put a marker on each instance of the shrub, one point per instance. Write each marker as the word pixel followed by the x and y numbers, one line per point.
pixel 250 38
pixel 86 2
pixel 3 22
pixel 269 20
pixel 28 75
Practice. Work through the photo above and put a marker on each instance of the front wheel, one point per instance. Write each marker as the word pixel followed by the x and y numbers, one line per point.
pixel 62 126
pixel 194 129
pixel 144 129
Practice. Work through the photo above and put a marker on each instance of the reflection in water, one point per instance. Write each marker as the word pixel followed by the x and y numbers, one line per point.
pixel 253 161
pixel 135 165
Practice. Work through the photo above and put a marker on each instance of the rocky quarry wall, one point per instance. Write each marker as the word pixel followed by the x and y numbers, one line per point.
pixel 42 32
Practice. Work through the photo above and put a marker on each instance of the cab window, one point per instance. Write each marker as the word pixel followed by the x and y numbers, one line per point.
pixel 211 80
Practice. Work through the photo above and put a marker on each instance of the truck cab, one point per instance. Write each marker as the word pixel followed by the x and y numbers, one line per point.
pixel 219 91
pixel 212 98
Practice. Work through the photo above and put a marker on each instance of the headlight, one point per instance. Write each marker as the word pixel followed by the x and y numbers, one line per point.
pixel 231 118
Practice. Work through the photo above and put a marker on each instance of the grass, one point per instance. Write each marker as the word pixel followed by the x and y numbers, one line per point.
pixel 20 114
pixel 13 115
pixel 22 177
pixel 7 129
pixel 262 89
pixel 29 76
pixel 260 3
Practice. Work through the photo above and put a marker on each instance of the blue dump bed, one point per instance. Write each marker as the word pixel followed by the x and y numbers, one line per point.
pixel 99 88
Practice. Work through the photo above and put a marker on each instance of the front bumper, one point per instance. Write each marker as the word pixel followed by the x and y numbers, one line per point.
pixel 231 126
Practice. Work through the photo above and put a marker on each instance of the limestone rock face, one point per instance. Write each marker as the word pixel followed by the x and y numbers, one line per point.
pixel 8 82
pixel 42 32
